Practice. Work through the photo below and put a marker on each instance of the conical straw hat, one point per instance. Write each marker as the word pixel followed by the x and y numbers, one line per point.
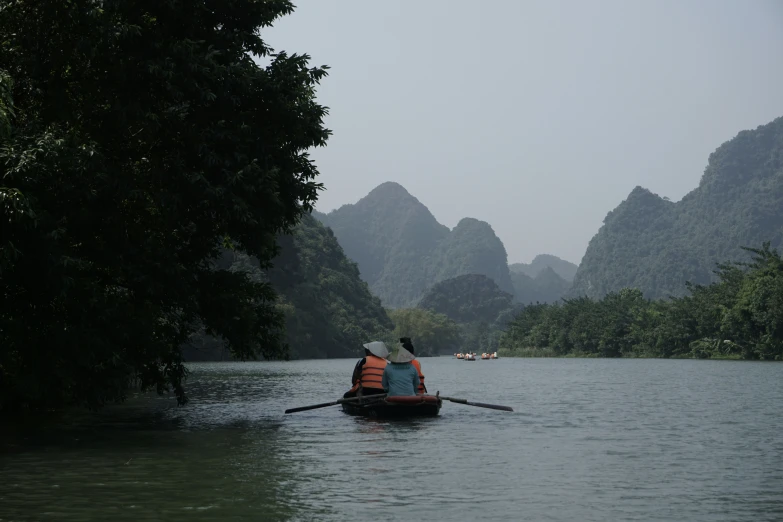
pixel 377 348
pixel 401 355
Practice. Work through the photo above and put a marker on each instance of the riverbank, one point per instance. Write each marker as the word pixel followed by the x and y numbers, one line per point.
pixel 532 353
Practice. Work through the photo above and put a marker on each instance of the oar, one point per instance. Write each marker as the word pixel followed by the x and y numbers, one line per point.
pixel 334 403
pixel 479 404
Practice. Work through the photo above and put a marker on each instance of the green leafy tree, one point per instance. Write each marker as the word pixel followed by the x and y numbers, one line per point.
pixel 431 333
pixel 476 304
pixel 143 137
pixel 754 325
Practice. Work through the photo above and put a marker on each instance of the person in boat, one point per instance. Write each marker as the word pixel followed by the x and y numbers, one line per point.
pixel 400 378
pixel 367 373
pixel 408 345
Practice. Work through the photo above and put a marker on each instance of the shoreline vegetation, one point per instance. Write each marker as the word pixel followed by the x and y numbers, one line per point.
pixel 534 353
pixel 738 317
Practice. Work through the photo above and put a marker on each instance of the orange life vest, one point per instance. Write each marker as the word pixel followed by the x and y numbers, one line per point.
pixel 417 364
pixel 372 373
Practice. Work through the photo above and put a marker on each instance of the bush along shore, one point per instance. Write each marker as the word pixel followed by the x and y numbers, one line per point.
pixel 738 317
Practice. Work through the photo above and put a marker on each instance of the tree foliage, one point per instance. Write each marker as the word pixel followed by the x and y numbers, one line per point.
pixel 329 311
pixel 431 333
pixel 476 304
pixel 738 316
pixel 467 298
pixel 138 138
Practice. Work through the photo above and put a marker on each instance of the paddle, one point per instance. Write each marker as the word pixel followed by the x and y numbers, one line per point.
pixel 478 404
pixel 334 403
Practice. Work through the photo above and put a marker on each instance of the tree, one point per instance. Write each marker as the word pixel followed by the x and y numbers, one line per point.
pixel 755 323
pixel 738 316
pixel 143 138
pixel 431 333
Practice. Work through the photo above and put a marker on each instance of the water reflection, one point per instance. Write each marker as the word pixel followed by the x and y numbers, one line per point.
pixel 158 465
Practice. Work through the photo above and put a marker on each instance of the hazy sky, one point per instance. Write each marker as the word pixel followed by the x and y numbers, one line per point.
pixel 538 117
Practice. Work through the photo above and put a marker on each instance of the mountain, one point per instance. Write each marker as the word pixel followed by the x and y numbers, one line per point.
pixel 329 310
pixel 388 233
pixel 656 245
pixel 546 287
pixel 467 298
pixel 563 268
pixel 477 304
pixel 402 250
pixel 471 248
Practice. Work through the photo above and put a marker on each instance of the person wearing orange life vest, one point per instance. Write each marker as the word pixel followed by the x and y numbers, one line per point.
pixel 408 345
pixel 368 372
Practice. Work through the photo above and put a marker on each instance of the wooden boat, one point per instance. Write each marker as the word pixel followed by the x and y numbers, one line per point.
pixel 395 407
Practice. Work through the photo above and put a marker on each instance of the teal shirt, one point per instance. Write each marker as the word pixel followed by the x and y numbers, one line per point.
pixel 400 379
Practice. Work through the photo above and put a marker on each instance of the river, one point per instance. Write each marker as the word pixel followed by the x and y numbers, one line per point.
pixel 589 440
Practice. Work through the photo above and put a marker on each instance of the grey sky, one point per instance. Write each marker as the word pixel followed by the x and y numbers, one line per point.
pixel 538 117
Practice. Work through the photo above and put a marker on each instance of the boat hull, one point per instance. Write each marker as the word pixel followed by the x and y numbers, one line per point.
pixel 395 407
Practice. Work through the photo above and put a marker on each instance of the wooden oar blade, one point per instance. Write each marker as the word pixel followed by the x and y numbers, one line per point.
pixel 313 407
pixel 490 406
pixel 334 403
pixel 478 404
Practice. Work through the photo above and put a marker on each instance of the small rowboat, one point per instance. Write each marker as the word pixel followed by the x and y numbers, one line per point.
pixel 395 407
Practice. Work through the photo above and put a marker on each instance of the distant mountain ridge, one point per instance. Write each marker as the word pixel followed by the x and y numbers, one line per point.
pixel 656 245
pixel 563 268
pixel 402 250
pixel 546 287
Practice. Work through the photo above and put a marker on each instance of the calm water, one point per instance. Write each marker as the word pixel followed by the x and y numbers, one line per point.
pixel 589 440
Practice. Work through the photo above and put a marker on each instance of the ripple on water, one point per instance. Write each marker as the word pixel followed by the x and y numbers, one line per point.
pixel 589 440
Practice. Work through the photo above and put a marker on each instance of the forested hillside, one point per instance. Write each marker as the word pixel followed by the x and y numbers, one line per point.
pixel 329 310
pixel 402 250
pixel 656 245
pixel 477 305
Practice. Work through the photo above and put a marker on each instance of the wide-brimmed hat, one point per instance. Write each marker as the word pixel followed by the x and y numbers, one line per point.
pixel 377 348
pixel 400 355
